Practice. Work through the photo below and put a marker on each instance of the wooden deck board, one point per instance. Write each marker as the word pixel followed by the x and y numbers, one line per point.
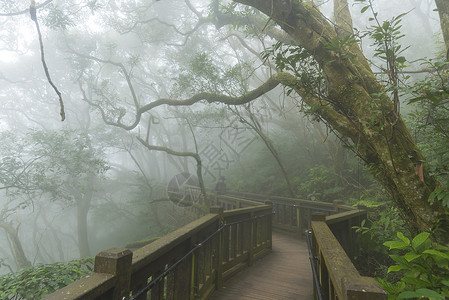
pixel 284 274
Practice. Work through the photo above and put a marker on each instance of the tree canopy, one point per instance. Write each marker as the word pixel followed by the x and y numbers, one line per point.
pixel 132 60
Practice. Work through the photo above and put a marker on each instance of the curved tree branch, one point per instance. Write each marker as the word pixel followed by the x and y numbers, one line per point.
pixel 44 64
pixel 270 84
pixel 122 69
pixel 177 153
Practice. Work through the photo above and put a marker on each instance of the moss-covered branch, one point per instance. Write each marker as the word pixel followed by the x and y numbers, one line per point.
pixel 267 86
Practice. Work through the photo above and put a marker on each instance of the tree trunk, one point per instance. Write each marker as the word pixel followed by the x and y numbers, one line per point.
pixel 83 206
pixel 55 236
pixel 16 245
pixel 379 136
pixel 443 11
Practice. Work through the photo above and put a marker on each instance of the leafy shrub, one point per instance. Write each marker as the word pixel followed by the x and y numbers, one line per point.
pixel 319 184
pixel 423 267
pixel 37 281
pixel 384 223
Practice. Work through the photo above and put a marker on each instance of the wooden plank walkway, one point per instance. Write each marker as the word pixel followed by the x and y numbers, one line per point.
pixel 282 275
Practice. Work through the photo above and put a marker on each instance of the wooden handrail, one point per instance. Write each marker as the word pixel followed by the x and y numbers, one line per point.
pixel 335 243
pixel 339 279
pixel 223 242
pixel 194 260
pixel 295 215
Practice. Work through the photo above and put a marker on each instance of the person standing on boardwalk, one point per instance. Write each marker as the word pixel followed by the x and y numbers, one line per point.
pixel 220 187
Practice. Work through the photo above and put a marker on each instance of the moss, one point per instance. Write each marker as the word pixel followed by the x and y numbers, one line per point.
pixel 286 79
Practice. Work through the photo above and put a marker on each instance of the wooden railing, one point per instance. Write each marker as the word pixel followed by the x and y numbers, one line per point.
pixel 294 215
pixel 189 263
pixel 193 261
pixel 333 242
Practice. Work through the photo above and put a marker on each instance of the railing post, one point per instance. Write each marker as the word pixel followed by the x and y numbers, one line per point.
pixel 318 217
pixel 193 283
pixel 269 223
pixel 116 262
pixel 216 210
pixel 219 267
pixel 336 203
pixel 252 240
pixel 298 220
pixel 367 289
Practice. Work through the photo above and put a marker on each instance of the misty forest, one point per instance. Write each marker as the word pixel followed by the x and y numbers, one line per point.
pixel 107 106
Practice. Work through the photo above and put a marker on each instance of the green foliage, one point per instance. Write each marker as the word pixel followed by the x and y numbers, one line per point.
pixel 53 163
pixel 372 197
pixel 423 268
pixel 382 225
pixel 298 61
pixel 240 13
pixel 203 74
pixel 433 90
pixel 320 184
pixel 57 18
pixel 316 171
pixel 440 194
pixel 341 46
pixel 386 35
pixel 430 122
pixel 37 281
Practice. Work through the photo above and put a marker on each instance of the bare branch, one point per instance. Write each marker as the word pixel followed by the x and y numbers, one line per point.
pixel 177 153
pixel 120 66
pixel 44 64
pixel 249 48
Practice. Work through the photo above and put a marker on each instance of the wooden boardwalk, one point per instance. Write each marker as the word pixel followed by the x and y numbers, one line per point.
pixel 282 275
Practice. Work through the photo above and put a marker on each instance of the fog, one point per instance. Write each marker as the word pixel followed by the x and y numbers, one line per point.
pixel 99 179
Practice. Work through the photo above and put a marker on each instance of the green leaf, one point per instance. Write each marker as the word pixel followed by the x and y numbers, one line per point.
pixel 437 253
pixel 395 245
pixel 445 199
pixel 419 239
pixel 397 268
pixel 391 288
pixel 407 295
pixel 364 9
pixel 399 259
pixel 401 59
pixel 420 293
pixel 415 281
pixel 403 238
pixel 411 256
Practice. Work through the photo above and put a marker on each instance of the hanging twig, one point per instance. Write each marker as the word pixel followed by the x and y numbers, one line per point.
pixel 44 64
